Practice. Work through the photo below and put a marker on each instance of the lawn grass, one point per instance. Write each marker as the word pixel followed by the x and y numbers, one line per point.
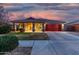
pixel 30 36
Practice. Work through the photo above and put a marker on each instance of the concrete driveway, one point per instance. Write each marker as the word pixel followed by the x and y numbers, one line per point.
pixel 59 43
pixel 64 43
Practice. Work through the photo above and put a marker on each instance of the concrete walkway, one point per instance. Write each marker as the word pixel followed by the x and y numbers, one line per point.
pixel 40 47
pixel 59 43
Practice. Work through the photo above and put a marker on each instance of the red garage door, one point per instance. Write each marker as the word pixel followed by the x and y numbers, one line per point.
pixel 53 27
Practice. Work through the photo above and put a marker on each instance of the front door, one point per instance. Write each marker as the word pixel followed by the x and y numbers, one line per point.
pixel 28 27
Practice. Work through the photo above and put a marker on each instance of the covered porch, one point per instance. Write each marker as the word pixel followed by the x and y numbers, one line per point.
pixel 29 27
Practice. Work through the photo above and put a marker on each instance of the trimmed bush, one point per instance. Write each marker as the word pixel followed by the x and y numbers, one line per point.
pixel 21 30
pixel 5 28
pixel 8 43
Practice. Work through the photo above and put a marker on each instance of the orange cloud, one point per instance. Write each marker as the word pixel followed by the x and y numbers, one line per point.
pixel 15 15
pixel 36 14
pixel 44 14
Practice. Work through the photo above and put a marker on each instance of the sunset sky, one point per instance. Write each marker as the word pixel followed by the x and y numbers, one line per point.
pixel 52 11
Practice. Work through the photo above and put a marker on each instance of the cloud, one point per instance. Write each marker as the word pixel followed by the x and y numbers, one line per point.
pixel 40 6
pixel 37 14
pixel 56 11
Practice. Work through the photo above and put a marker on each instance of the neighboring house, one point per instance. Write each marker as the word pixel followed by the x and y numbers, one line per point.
pixel 37 25
pixel 72 26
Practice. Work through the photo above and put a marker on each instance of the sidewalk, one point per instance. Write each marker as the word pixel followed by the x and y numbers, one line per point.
pixel 39 47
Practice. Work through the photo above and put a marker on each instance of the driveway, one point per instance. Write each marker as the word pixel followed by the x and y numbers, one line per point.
pixel 59 43
pixel 64 43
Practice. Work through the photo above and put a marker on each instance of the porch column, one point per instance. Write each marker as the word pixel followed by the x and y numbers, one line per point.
pixel 62 27
pixel 14 26
pixel 24 27
pixel 33 28
pixel 43 28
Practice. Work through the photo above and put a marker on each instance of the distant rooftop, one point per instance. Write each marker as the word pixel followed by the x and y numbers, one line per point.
pixel 40 20
pixel 73 22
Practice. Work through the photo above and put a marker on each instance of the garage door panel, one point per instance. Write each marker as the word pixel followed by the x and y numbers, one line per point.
pixel 53 27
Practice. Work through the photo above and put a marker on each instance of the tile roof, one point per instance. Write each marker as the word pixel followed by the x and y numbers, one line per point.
pixel 31 19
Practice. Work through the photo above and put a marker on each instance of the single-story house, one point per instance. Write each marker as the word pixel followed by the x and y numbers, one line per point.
pixel 37 25
pixel 72 26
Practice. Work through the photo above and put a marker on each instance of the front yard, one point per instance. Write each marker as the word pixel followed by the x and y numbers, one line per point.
pixel 23 37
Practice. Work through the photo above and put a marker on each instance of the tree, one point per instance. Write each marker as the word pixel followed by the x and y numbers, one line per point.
pixel 3 15
pixel 4 24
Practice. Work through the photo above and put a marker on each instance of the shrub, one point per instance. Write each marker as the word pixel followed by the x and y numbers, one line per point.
pixel 5 28
pixel 21 30
pixel 8 43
